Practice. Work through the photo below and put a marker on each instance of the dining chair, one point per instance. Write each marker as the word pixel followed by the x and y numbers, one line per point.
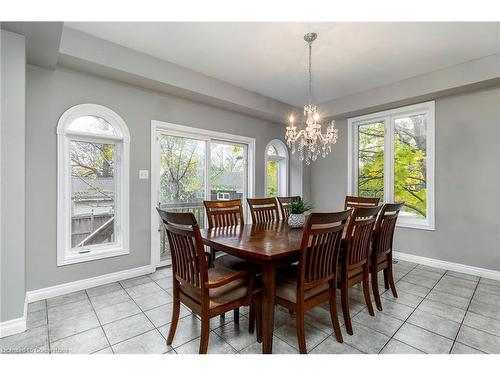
pixel 224 214
pixel 381 255
pixel 314 280
pixel 208 292
pixel 228 214
pixel 354 258
pixel 353 202
pixel 283 202
pixel 263 210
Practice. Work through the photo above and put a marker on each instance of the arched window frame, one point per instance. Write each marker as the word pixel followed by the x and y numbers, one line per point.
pixel 120 246
pixel 282 159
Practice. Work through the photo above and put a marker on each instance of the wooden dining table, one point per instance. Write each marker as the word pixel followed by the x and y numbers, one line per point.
pixel 267 245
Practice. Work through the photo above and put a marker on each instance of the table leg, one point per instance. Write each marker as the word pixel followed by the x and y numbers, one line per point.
pixel 269 281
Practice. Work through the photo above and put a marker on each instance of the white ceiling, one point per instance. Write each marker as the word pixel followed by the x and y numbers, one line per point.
pixel 271 58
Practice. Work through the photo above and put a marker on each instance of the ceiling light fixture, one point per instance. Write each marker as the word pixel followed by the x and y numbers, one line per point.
pixel 311 141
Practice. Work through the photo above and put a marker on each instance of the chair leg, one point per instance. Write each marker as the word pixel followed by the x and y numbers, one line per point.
pixel 366 291
pixel 344 295
pixel 212 257
pixel 251 316
pixel 175 315
pixel 391 278
pixel 258 318
pixel 334 315
pixel 376 292
pixel 236 314
pixel 301 337
pixel 205 332
pixel 386 279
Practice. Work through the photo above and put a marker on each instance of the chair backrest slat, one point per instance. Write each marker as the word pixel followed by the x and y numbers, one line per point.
pixel 284 202
pixel 186 246
pixel 383 234
pixel 320 248
pixel 357 202
pixel 359 235
pixel 224 213
pixel 263 210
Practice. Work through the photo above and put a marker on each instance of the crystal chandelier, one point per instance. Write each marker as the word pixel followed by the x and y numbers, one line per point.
pixel 311 141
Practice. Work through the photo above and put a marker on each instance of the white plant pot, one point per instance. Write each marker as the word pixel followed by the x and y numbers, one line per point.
pixel 296 220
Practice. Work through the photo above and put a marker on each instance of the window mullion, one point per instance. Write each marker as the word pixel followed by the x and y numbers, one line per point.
pixel 118 175
pixel 388 159
pixel 208 162
pixel 355 159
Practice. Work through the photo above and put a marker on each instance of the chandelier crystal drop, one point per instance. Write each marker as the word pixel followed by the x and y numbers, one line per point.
pixel 310 141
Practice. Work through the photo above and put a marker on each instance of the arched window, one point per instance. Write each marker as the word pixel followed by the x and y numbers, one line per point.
pixel 93 179
pixel 276 169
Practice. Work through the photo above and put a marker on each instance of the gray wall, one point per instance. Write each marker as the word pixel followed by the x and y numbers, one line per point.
pixel 49 94
pixel 467 178
pixel 13 100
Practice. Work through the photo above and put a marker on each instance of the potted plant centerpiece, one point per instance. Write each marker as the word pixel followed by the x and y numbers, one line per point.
pixel 297 210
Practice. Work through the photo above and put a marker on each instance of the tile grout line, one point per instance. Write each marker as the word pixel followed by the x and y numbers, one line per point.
pixel 430 313
pixel 359 312
pixel 356 314
pixel 126 317
pixel 414 308
pixel 141 312
pixel 48 327
pixel 466 311
pixel 114 321
pixel 147 317
pixel 408 317
pixel 332 335
pixel 476 290
pixel 158 328
pixel 100 324
pixel 482 315
pixel 211 330
pixel 77 333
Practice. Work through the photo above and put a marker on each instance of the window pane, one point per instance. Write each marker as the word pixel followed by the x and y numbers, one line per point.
pixel 182 180
pixel 93 125
pixel 92 193
pixel 410 164
pixel 271 151
pixel 182 174
pixel 371 160
pixel 227 171
pixel 272 178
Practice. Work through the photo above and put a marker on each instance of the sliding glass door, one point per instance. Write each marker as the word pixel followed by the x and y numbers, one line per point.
pixel 228 171
pixel 191 169
pixel 182 165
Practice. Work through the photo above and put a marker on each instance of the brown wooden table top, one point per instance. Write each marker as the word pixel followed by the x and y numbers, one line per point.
pixel 264 241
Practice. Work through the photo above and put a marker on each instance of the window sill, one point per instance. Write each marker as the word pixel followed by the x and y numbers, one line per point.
pixel 416 225
pixel 72 257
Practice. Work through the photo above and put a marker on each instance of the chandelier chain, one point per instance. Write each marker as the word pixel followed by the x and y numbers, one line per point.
pixel 310 72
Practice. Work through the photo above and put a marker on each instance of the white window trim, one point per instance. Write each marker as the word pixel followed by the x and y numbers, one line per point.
pixel 65 255
pixel 283 167
pixel 158 127
pixel 388 117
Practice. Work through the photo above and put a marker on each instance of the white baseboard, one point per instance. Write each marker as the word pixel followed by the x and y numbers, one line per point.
pixel 13 326
pixel 57 290
pixel 18 325
pixel 457 267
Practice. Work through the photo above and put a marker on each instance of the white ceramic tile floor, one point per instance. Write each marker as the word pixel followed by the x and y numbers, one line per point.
pixel 449 312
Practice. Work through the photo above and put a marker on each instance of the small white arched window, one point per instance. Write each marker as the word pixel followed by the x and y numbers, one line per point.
pixel 92 184
pixel 276 169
